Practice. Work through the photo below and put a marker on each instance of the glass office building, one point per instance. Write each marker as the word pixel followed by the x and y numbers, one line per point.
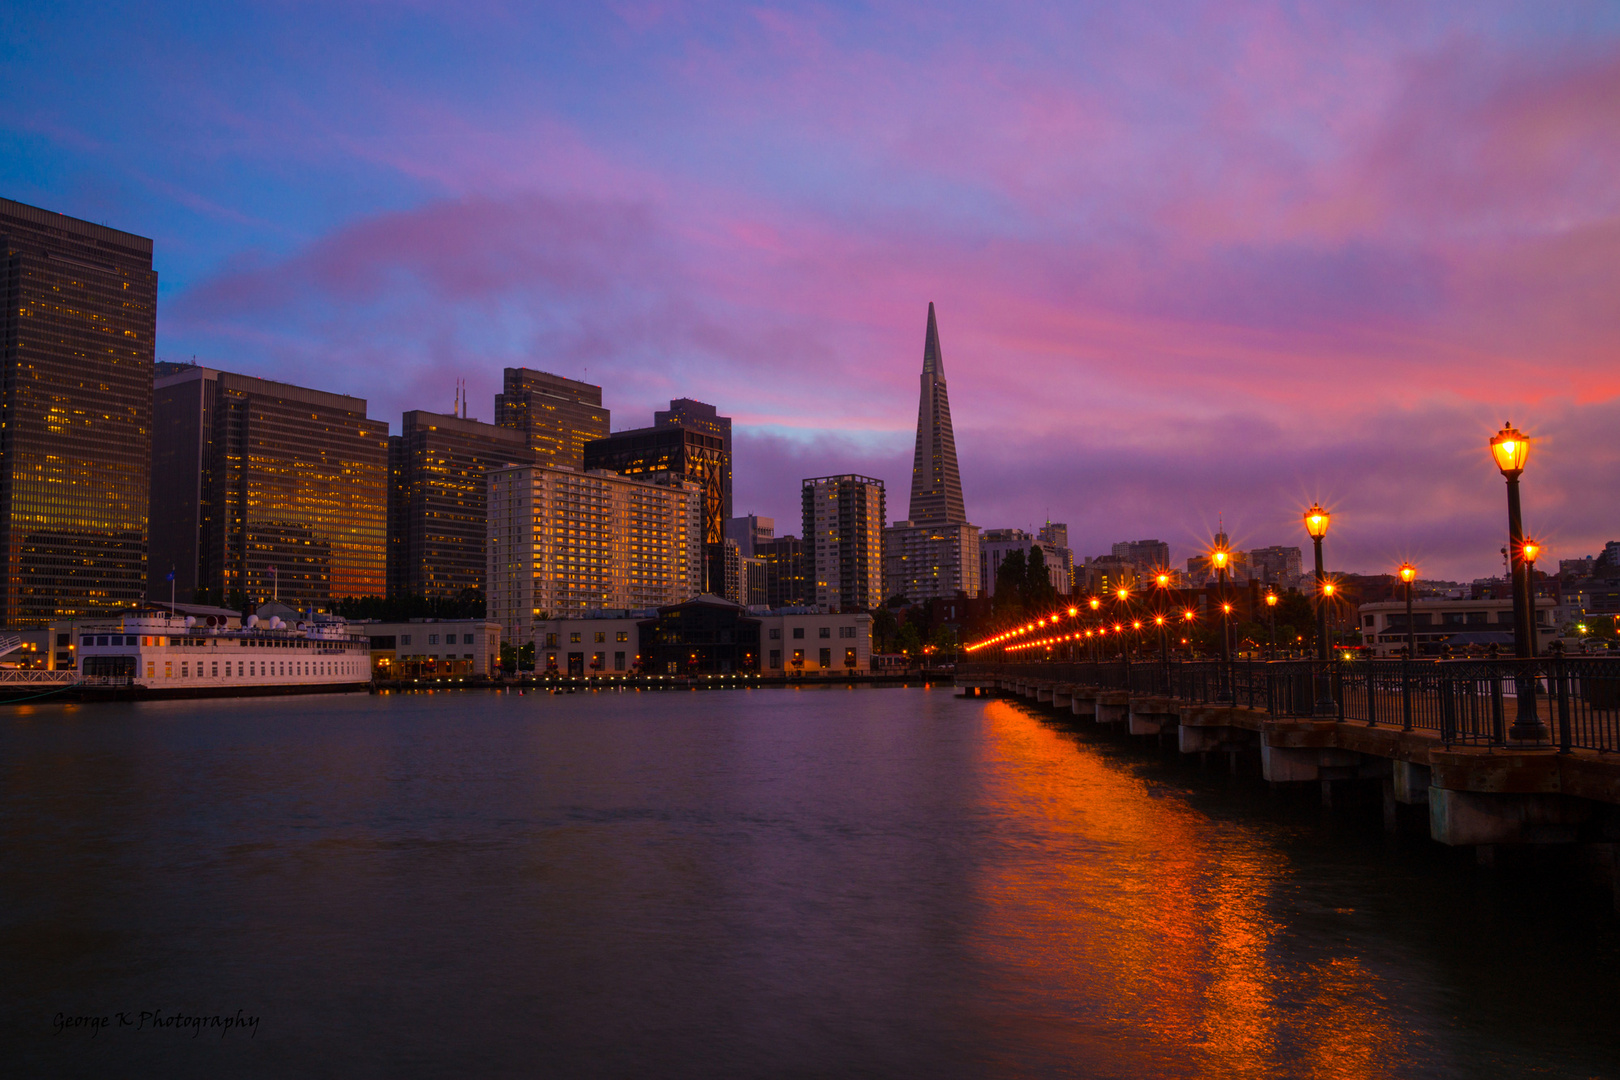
pixel 80 321
pixel 272 490
pixel 557 416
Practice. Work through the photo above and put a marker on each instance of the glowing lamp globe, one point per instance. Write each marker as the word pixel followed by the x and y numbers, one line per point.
pixel 1316 521
pixel 1509 449
pixel 1408 573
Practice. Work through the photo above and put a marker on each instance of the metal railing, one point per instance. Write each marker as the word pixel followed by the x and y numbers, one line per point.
pixel 37 675
pixel 1572 703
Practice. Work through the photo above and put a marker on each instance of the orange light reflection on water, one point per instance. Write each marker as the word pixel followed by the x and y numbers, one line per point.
pixel 1170 935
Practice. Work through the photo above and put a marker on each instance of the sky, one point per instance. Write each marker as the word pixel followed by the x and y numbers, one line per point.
pixel 1193 262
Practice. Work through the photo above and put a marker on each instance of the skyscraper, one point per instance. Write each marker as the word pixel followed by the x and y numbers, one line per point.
pixel 558 416
pixel 75 448
pixel 266 489
pixel 843 538
pixel 936 484
pixel 705 418
pixel 437 501
pixel 783 557
pixel 934 554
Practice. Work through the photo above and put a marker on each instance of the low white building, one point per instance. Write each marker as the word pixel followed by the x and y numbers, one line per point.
pixel 1464 625
pixel 599 643
pixel 810 643
pixel 433 648
pixel 794 642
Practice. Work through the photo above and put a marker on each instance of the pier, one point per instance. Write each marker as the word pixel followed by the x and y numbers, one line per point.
pixel 1497 752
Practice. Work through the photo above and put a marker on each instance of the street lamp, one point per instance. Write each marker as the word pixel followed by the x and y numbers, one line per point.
pixel 1219 557
pixel 1408 574
pixel 1271 610
pixel 1531 551
pixel 1510 449
pixel 1316 524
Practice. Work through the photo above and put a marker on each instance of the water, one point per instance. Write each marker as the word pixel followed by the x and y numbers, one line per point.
pixel 749 883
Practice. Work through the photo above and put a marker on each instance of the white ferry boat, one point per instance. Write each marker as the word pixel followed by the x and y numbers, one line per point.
pixel 159 653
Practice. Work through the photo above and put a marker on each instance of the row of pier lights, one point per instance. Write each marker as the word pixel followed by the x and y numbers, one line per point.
pixel 1510 449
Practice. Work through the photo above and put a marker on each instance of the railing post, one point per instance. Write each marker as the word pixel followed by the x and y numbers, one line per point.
pixel 1406 693
pixel 1498 734
pixel 1448 706
pixel 1566 737
pixel 1372 694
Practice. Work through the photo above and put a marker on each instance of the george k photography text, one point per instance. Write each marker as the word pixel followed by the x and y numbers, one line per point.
pixel 158 1020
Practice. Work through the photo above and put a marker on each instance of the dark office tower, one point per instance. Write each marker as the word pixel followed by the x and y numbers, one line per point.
pixel 438 499
pixel 557 415
pixel 288 489
pixel 783 557
pixel 696 416
pixel 687 442
pixel 936 484
pixel 76 443
pixel 843 542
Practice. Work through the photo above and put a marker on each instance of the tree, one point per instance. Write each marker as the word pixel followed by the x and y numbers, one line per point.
pixel 1037 592
pixel 1011 577
pixel 884 627
pixel 909 640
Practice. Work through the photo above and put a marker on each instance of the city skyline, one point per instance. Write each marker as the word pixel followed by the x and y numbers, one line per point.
pixel 1298 256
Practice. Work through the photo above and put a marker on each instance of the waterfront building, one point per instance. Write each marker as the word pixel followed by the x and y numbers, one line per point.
pixel 935 553
pixel 597 643
pixel 703 636
pixel 996 544
pixel 689 441
pixel 433 648
pixel 750 532
pixel 1465 626
pixel 783 558
pixel 437 501
pixel 843 531
pixel 264 489
pixel 557 416
pixel 562 541
pixel 76 442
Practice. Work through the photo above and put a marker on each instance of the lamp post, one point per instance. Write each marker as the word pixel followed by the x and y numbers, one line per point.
pixel 1316 524
pixel 1510 449
pixel 1271 610
pixel 1408 574
pixel 1123 596
pixel 1531 550
pixel 1220 556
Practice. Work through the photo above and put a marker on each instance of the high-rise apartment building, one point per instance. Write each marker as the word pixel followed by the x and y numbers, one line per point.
pixel 843 537
pixel 438 501
pixel 266 489
pixel 558 416
pixel 78 328
pixel 934 554
pixel 687 442
pixel 783 557
pixel 563 542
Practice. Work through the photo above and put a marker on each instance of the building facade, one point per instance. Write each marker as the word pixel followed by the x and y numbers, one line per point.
pixel 750 531
pixel 433 648
pixel 1279 566
pixel 1466 627
pixel 557 416
pixel 561 542
pixel 78 328
pixel 689 442
pixel 438 501
pixel 843 537
pixel 932 562
pixel 996 544
pixel 783 559
pixel 267 490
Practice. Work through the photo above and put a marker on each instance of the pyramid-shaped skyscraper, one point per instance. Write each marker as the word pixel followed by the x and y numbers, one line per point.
pixel 936 483
pixel 936 553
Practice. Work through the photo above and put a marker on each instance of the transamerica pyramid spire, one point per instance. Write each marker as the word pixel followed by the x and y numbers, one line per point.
pixel 936 484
